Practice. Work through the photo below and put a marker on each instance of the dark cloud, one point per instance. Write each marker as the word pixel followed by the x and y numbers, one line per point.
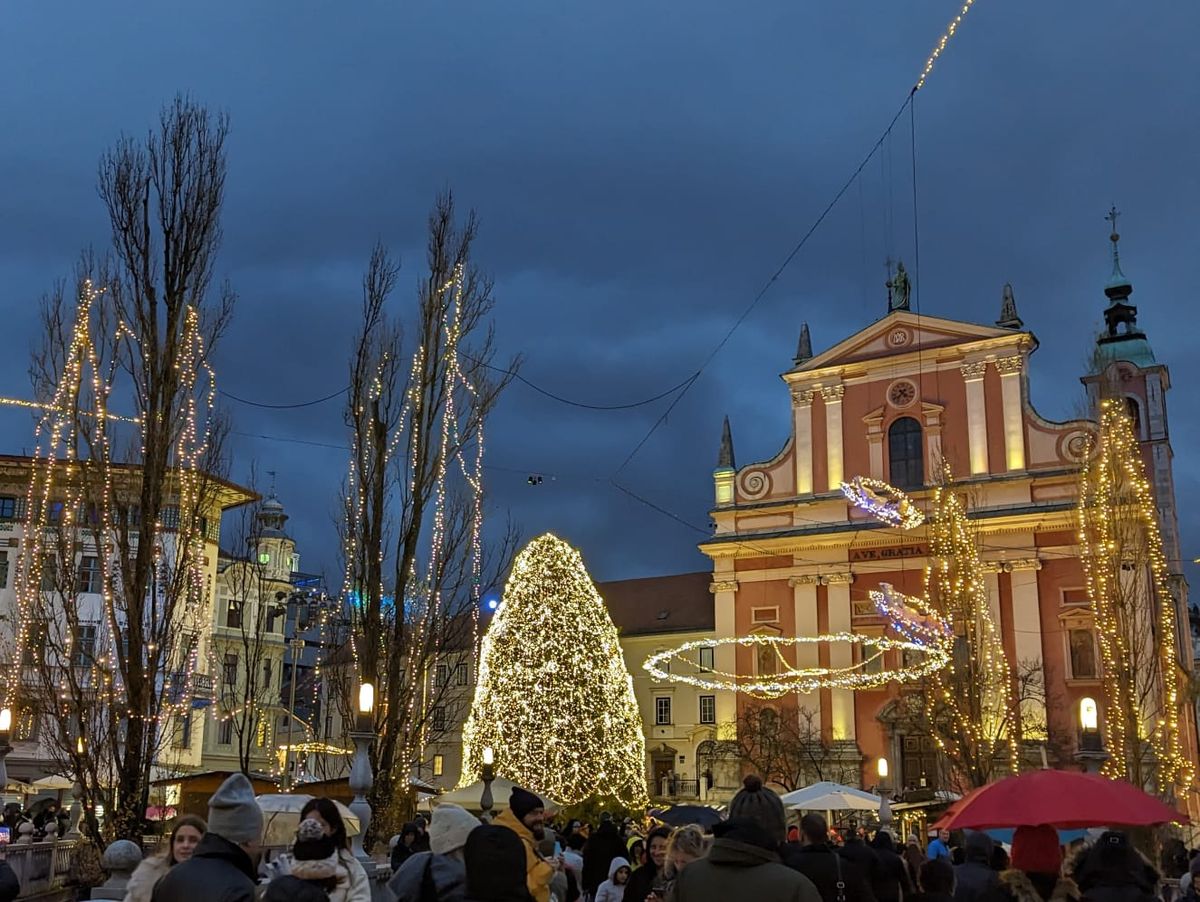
pixel 639 171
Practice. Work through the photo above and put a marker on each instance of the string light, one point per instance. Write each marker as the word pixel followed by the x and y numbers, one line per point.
pixel 554 699
pixel 884 502
pixel 1135 622
pixel 664 665
pixel 942 42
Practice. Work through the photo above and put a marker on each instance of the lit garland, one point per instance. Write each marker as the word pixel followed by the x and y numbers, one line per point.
pixel 934 655
pixel 554 699
pixel 942 42
pixel 884 502
pixel 911 617
pixel 1119 525
pixel 970 705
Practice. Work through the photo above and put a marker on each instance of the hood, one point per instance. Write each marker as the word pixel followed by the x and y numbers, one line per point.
pixel 734 853
pixel 1022 889
pixel 978 847
pixel 617 864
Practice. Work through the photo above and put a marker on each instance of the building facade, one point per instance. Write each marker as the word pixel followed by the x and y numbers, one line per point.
pixel 896 401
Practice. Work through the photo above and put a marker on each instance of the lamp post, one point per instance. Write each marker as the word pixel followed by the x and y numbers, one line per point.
pixel 5 745
pixel 361 777
pixel 75 817
pixel 885 809
pixel 296 646
pixel 488 774
pixel 1091 754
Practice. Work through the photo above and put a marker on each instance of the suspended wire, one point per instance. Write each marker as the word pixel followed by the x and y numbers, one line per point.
pixel 233 397
pixel 762 292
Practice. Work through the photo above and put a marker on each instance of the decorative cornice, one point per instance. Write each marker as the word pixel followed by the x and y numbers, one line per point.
pixel 1014 566
pixel 1010 366
pixel 802 397
pixel 723 585
pixel 842 578
pixel 833 393
pixel 972 371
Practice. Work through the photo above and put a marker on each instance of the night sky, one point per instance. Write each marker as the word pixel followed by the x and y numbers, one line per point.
pixel 640 169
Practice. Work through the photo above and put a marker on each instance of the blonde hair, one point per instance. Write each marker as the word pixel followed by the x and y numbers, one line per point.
pixel 687 840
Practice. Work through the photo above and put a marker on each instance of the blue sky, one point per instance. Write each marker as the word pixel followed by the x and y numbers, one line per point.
pixel 639 170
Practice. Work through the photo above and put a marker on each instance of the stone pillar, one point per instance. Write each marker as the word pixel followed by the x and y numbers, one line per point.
pixel 804 599
pixel 841 654
pixel 832 394
pixel 976 416
pixel 724 589
pixel 1013 408
pixel 1027 629
pixel 802 425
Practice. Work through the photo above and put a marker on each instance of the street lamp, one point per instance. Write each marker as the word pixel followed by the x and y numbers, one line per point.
pixel 361 777
pixel 5 745
pixel 489 774
pixel 296 646
pixel 1091 753
pixel 885 809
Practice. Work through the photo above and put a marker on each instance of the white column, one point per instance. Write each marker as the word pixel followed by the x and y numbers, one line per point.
pixel 841 654
pixel 833 434
pixel 992 580
pixel 724 590
pixel 976 415
pixel 802 420
pixel 804 599
pixel 1014 419
pixel 1027 627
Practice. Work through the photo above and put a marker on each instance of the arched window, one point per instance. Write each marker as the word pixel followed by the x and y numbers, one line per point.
pixel 906 454
pixel 1135 415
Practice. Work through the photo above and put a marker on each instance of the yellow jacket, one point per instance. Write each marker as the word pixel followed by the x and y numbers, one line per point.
pixel 539 872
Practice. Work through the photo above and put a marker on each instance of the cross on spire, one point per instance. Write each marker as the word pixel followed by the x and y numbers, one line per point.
pixel 1113 215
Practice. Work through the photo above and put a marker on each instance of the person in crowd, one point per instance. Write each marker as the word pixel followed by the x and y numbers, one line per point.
pixel 1036 872
pixel 862 856
pixel 937 881
pixel 939 846
pixel 45 823
pixel 439 875
pixel 10 884
pixel 1189 890
pixel 913 857
pixel 12 817
pixel 613 889
pixel 892 883
pixel 562 887
pixel 325 812
pixel 421 843
pixel 975 877
pixel 742 864
pixel 573 856
pixel 1186 881
pixel 602 847
pixel 223 864
pixel 1173 859
pixel 647 883
pixel 495 863
pixel 185 835
pixel 1000 860
pixel 1112 870
pixel 687 844
pixel 822 864
pixel 635 847
pixel 313 859
pixel 793 834
pixel 525 816
pixel 402 848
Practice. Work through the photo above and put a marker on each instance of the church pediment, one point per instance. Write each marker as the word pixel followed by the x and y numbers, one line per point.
pixel 902 332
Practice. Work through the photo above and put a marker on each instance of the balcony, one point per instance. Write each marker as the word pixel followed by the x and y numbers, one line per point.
pixel 41 867
pixel 676 790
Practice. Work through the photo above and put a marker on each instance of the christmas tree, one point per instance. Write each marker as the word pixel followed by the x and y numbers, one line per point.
pixel 554 700
pixel 1135 611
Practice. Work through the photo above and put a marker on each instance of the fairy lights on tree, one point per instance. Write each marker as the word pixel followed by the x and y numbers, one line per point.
pixel 554 699
pixel 1135 611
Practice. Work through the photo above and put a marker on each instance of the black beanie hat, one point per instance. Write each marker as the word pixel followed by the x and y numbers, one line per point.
pixel 522 801
pixel 759 804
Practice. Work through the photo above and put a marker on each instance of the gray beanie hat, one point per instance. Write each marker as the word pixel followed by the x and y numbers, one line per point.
pixel 761 805
pixel 233 812
pixel 449 829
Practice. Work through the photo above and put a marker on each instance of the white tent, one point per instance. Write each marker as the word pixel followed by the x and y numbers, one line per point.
pixel 828 796
pixel 469 796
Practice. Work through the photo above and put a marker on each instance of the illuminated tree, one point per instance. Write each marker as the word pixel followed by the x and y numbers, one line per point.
pixel 972 706
pixel 554 698
pixel 1135 612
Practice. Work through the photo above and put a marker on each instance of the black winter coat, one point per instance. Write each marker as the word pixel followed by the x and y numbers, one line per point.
pixel 218 871
pixel 10 886
pixel 602 847
pixel 973 880
pixel 642 882
pixel 820 864
pixel 892 883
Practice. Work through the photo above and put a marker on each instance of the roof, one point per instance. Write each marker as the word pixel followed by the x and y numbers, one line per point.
pixel 660 604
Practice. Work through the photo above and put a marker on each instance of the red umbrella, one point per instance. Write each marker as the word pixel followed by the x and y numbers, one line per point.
pixel 1063 799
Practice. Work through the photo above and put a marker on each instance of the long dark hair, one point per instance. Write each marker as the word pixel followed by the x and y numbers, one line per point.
pixel 330 814
pixel 186 820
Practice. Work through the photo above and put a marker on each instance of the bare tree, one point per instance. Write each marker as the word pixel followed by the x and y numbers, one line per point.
pixel 128 455
pixel 786 746
pixel 418 400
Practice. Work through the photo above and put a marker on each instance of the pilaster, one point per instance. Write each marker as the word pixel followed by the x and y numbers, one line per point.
pixel 802 424
pixel 1014 421
pixel 832 395
pixel 972 374
pixel 841 655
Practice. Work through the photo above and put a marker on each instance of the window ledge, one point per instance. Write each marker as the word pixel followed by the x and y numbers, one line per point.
pixel 1084 681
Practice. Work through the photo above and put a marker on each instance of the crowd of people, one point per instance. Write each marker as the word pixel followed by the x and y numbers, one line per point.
pixel 753 854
